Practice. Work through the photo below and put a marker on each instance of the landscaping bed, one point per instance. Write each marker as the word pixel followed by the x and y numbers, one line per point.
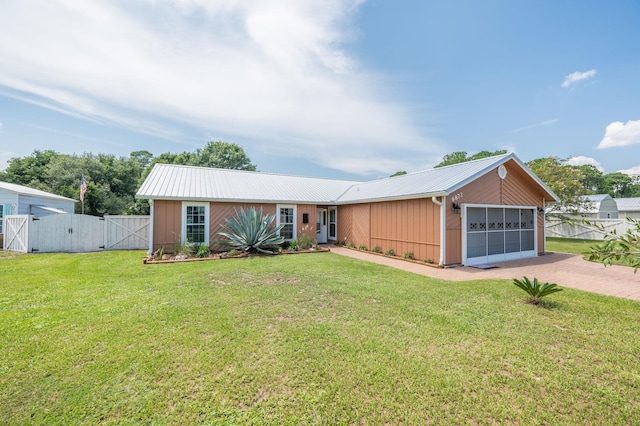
pixel 172 258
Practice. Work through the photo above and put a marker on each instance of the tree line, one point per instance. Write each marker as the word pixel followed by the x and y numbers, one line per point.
pixel 112 181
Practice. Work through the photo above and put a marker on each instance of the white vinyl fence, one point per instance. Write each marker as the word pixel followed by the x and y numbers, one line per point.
pixel 578 230
pixel 74 233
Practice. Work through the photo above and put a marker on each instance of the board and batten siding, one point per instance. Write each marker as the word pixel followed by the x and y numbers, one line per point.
pixel 407 226
pixel 167 217
pixel 517 189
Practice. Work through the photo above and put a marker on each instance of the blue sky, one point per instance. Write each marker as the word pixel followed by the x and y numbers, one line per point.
pixel 333 88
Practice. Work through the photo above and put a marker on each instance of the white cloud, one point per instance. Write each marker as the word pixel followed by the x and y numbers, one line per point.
pixel 577 76
pixel 621 134
pixel 272 73
pixel 633 171
pixel 581 160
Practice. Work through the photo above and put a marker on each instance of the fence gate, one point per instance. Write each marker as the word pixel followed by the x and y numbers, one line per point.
pixel 16 233
pixel 74 233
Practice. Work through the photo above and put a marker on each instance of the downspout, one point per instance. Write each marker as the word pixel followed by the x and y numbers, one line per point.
pixel 442 228
pixel 150 227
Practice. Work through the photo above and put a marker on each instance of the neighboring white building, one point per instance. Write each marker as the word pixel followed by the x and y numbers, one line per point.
pixel 629 207
pixel 601 206
pixel 18 199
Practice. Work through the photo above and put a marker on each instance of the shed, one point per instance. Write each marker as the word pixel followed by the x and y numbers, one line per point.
pixel 17 199
pixel 629 207
pixel 600 206
pixel 480 211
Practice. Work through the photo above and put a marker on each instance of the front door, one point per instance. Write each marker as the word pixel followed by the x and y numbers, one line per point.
pixel 321 226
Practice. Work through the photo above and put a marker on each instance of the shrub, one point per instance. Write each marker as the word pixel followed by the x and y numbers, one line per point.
pixel 390 252
pixel 430 261
pixel 159 253
pixel 304 242
pixel 535 289
pixel 351 245
pixel 251 231
pixel 202 250
pixel 362 247
pixel 408 255
pixel 293 245
pixel 376 249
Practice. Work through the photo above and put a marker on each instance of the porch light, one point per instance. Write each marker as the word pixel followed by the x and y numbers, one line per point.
pixel 456 208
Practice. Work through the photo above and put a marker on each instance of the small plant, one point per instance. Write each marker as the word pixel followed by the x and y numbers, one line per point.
pixel 202 250
pixel 535 289
pixel 233 252
pixel 304 242
pixel 351 245
pixel 293 245
pixel 362 247
pixel 376 249
pixel 285 245
pixel 390 252
pixel 429 261
pixel 159 253
pixel 409 255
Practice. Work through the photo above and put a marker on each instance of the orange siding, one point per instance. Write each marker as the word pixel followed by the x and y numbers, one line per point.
pixel 407 226
pixel 306 228
pixel 517 189
pixel 344 224
pixel 167 219
pixel 360 223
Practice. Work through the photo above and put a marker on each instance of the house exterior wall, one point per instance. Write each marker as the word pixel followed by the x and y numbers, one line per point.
pixel 407 226
pixel 168 220
pixel 517 189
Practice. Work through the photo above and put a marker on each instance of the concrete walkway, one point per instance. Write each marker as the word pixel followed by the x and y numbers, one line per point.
pixel 566 270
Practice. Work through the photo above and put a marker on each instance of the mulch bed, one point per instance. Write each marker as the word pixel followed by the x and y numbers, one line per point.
pixel 170 258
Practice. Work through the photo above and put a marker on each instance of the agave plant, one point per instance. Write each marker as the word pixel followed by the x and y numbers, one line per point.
pixel 250 231
pixel 535 289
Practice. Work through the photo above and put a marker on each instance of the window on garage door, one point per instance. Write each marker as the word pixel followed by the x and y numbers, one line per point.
pixel 497 233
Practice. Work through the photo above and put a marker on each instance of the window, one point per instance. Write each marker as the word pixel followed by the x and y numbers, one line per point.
pixel 287 217
pixel 195 223
pixel 333 219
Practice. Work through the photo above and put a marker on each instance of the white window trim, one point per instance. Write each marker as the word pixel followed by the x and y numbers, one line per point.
pixel 295 217
pixel 207 220
pixel 329 236
pixel 533 253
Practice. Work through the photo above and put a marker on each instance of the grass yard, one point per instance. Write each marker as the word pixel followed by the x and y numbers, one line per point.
pixel 303 339
pixel 570 245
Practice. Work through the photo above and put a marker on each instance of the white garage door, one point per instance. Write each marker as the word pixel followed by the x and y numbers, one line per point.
pixel 498 233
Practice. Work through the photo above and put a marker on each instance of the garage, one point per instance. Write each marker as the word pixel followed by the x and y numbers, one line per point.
pixel 498 233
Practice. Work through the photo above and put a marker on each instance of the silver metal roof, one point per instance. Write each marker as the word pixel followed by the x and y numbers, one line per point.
pixel 175 182
pixel 24 190
pixel 434 182
pixel 197 183
pixel 628 204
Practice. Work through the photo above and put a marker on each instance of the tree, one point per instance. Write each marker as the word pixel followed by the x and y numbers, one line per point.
pixel 398 173
pixel 619 248
pixel 223 155
pixel 462 157
pixel 617 185
pixel 564 180
pixel 592 179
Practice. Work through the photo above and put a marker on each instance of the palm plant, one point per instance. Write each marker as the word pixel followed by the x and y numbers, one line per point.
pixel 251 231
pixel 535 289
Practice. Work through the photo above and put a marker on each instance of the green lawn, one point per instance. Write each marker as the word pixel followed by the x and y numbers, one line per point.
pixel 570 245
pixel 302 339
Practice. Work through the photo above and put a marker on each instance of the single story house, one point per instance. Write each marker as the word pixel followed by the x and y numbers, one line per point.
pixel 18 199
pixel 600 206
pixel 476 212
pixel 629 207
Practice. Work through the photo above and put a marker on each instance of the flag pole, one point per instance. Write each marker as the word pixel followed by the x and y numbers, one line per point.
pixel 83 190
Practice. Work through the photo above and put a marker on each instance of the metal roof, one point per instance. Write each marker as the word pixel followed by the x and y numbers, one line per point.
pixel 24 190
pixel 176 182
pixel 628 204
pixel 434 182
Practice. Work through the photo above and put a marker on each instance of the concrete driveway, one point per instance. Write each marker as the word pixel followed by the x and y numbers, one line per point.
pixel 566 270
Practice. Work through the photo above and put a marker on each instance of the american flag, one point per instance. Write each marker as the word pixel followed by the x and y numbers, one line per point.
pixel 83 188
